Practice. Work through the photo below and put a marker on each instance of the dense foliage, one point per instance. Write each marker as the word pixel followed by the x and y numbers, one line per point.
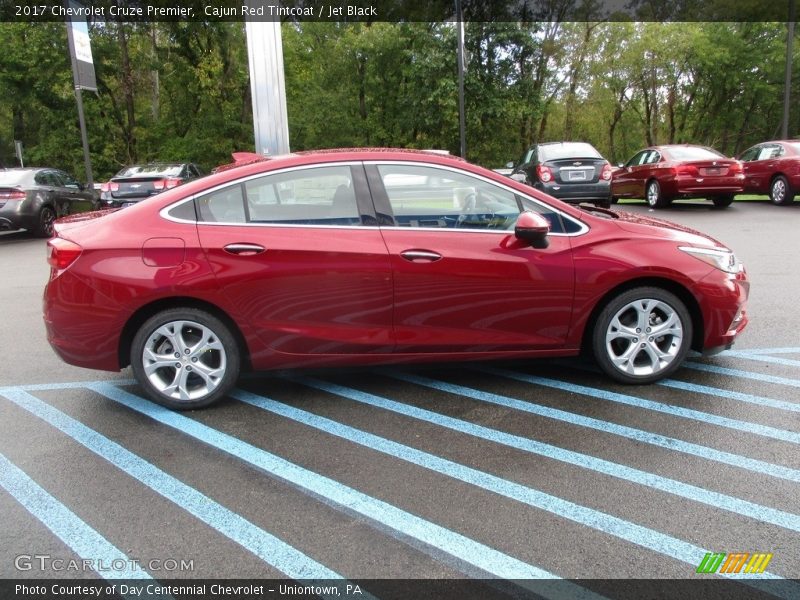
pixel 180 91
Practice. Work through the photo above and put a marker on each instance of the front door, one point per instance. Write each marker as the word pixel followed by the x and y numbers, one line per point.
pixel 461 282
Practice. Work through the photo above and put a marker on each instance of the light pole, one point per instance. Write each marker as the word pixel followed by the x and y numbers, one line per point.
pixel 788 79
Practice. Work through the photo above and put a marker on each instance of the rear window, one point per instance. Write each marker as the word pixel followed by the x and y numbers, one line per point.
pixel 151 170
pixel 567 150
pixel 690 153
pixel 14 177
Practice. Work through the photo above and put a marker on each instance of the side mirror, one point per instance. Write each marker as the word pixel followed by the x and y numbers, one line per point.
pixel 519 177
pixel 532 228
pixel 509 165
pixel 620 165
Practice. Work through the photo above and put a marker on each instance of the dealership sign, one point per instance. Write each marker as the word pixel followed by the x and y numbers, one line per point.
pixel 80 48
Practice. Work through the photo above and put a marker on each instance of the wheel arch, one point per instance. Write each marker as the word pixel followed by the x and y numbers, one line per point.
pixel 698 331
pixel 138 318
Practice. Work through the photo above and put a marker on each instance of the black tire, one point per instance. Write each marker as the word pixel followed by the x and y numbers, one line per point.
pixel 44 223
pixel 179 385
pixel 780 192
pixel 616 336
pixel 654 196
pixel 722 201
pixel 614 199
pixel 603 203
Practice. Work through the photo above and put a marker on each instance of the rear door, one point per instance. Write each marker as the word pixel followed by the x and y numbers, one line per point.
pixel 461 282
pixel 299 254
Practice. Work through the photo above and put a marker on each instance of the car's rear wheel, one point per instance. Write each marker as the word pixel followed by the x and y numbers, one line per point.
pixel 614 200
pixel 44 225
pixel 603 203
pixel 654 196
pixel 185 358
pixel 642 335
pixel 722 201
pixel 780 192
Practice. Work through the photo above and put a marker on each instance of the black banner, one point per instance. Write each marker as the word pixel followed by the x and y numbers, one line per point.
pixel 394 589
pixel 397 10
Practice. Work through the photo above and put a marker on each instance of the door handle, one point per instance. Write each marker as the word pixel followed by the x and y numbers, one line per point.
pixel 420 256
pixel 244 249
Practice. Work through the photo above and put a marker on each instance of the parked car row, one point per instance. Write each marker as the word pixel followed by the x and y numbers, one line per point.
pixel 577 172
pixel 33 198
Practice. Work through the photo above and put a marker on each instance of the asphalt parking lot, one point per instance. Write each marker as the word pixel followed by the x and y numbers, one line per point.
pixel 519 471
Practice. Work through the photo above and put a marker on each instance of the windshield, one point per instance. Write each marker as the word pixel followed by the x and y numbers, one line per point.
pixel 151 171
pixel 567 150
pixel 14 177
pixel 693 153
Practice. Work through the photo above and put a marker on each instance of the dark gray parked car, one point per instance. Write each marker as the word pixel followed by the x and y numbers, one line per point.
pixel 136 183
pixel 33 198
pixel 569 171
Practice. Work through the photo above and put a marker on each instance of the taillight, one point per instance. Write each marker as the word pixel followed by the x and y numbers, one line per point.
pixel 104 187
pixel 166 184
pixel 736 168
pixel 544 173
pixel 689 170
pixel 109 186
pixel 606 172
pixel 15 195
pixel 62 253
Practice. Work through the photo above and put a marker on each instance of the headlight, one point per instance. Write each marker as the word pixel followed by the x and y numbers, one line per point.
pixel 721 259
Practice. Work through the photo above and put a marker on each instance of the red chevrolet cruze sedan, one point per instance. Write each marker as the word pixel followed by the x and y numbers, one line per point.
pixel 373 257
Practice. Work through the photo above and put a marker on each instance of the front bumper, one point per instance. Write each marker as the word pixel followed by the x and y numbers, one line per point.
pixel 723 302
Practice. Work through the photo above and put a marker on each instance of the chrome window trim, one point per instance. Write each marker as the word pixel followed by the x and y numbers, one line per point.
pixel 164 212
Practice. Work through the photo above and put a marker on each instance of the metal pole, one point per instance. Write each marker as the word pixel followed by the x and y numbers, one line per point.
pixel 267 83
pixel 462 125
pixel 788 79
pixel 87 161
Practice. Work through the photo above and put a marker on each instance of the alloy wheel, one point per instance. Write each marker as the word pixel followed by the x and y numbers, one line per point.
pixel 644 337
pixel 184 360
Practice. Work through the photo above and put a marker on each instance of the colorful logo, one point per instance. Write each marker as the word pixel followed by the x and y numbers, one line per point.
pixel 736 562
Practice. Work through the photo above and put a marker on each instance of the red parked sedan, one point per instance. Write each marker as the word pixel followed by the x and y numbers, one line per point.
pixel 773 168
pixel 373 257
pixel 662 173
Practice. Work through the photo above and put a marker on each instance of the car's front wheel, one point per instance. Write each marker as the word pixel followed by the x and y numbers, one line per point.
pixel 642 335
pixel 185 358
pixel 780 192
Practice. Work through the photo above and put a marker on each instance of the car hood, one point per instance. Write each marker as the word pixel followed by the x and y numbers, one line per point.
pixel 652 226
